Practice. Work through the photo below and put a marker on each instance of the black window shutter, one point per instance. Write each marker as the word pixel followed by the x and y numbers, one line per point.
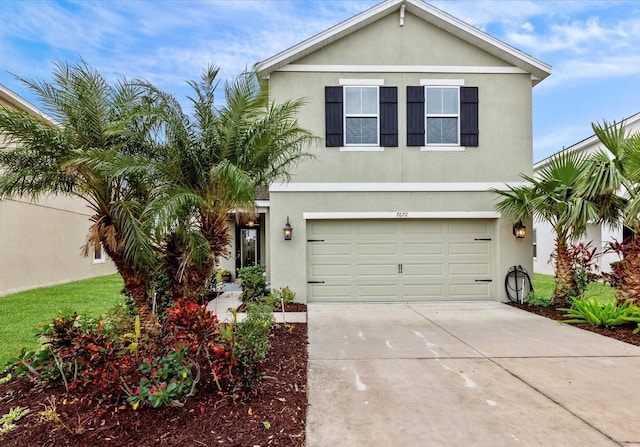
pixel 389 116
pixel 415 116
pixel 333 116
pixel 469 116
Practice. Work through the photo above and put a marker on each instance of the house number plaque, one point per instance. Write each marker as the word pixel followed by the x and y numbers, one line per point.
pixel 401 214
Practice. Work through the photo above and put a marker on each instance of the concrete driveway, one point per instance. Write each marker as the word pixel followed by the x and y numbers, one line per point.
pixel 465 374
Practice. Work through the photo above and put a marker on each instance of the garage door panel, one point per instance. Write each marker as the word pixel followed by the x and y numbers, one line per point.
pixel 372 271
pixel 477 291
pixel 422 270
pixel 469 269
pixel 400 260
pixel 465 227
pixel 468 248
pixel 418 292
pixel 329 249
pixel 378 292
pixel 331 270
pixel 377 249
pixel 422 249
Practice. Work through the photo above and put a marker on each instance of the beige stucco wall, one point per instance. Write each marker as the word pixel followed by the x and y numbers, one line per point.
pixel 40 244
pixel 505 148
pixel 41 241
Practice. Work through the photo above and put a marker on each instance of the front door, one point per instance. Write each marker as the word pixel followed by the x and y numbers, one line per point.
pixel 248 247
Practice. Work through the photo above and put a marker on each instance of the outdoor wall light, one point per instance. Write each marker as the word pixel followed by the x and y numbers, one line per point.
pixel 287 230
pixel 519 230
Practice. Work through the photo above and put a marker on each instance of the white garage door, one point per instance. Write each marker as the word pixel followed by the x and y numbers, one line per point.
pixel 399 260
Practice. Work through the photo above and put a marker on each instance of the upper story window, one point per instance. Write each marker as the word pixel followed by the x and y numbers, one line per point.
pixel 361 115
pixel 442 116
pixel 442 107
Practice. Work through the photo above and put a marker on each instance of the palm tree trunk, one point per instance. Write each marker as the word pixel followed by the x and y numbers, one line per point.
pixel 629 288
pixel 135 286
pixel 565 275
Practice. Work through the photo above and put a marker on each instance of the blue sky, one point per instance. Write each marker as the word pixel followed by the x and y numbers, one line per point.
pixel 593 46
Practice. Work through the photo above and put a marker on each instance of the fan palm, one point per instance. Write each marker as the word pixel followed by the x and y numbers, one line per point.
pixel 94 122
pixel 209 165
pixel 614 179
pixel 552 196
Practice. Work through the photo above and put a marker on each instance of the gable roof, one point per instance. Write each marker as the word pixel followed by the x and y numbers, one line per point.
pixel 587 142
pixel 430 14
pixel 21 104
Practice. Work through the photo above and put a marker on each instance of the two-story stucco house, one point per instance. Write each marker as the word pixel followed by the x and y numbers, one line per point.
pixel 40 241
pixel 597 235
pixel 420 114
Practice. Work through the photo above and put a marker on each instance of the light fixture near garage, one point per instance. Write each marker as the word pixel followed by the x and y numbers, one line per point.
pixel 287 230
pixel 519 230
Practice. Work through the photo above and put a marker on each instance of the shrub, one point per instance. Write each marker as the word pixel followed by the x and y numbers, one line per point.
pixel 198 329
pixel 607 314
pixel 77 353
pixel 248 341
pixel 166 380
pixel 532 299
pixel 253 284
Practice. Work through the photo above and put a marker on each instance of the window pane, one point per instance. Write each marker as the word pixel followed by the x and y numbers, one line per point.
pixel 362 131
pixel 450 101
pixel 359 100
pixel 353 100
pixel 370 100
pixel 442 130
pixel 434 100
pixel 442 100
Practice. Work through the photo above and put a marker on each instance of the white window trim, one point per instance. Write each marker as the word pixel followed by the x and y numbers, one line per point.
pixel 438 148
pixel 441 115
pixel 361 82
pixel 441 82
pixel 101 259
pixel 361 147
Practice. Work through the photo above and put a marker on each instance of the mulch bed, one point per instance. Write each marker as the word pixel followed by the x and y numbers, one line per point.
pixel 274 416
pixel 622 333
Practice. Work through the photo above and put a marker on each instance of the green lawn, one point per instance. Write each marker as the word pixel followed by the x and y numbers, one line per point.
pixel 544 285
pixel 21 313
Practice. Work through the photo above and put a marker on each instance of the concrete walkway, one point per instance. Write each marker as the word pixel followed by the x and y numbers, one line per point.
pixel 231 300
pixel 465 374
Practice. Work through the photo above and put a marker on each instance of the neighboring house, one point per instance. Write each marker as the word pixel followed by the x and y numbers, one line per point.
pixel 41 241
pixel 422 114
pixel 598 235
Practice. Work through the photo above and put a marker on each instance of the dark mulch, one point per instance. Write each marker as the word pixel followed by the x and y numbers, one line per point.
pixel 274 416
pixel 622 333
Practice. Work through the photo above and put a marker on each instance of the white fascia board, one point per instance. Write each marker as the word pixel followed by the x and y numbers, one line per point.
pixel 263 203
pixel 403 215
pixel 479 69
pixel 22 104
pixel 392 187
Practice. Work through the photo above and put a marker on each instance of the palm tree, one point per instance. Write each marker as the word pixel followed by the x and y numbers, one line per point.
pixel 94 124
pixel 209 165
pixel 614 181
pixel 553 197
